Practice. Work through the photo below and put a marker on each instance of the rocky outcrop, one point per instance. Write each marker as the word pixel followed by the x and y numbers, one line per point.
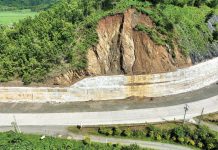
pixel 212 48
pixel 122 50
pixel 69 77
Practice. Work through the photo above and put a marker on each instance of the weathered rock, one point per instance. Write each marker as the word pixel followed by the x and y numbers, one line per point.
pixel 69 77
pixel 122 50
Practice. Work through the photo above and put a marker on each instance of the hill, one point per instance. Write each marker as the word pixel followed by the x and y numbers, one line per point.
pixel 102 37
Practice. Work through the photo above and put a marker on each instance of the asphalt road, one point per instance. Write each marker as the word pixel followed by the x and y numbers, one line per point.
pixel 134 116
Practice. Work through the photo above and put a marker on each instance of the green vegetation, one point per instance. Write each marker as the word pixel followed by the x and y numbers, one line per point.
pixel 14 141
pixel 34 5
pixel 212 118
pixel 155 36
pixel 10 17
pixel 190 135
pixel 33 48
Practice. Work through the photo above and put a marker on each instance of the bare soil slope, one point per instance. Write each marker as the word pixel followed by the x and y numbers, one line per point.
pixel 123 50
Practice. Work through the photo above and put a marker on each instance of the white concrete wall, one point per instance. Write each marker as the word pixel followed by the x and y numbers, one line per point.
pixel 120 87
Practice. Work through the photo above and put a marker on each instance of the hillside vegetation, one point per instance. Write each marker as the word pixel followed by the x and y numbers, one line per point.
pixel 61 36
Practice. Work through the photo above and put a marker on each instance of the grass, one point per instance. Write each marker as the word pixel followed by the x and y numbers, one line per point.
pixel 192 32
pixel 10 17
pixel 211 118
pixel 163 126
pixel 14 141
pixel 94 129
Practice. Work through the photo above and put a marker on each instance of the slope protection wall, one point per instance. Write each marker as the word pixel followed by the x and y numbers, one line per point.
pixel 120 87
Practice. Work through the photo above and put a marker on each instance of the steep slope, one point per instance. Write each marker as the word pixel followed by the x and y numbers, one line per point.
pixel 75 39
pixel 123 50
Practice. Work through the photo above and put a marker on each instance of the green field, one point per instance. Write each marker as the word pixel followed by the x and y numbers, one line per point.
pixel 10 17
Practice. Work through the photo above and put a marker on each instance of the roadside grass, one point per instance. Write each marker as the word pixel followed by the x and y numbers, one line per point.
pixel 15 141
pixel 10 17
pixel 211 118
pixel 94 130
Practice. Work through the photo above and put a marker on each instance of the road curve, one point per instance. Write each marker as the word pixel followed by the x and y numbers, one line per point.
pixel 112 117
pixel 61 130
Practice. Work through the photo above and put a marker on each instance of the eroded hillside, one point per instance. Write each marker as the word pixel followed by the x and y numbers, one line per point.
pixel 76 39
pixel 123 50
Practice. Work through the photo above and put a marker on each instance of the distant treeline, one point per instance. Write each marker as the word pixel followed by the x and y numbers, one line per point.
pixel 34 5
pixel 196 3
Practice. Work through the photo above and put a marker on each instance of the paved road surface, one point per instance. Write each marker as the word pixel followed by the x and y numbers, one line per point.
pixel 61 130
pixel 134 116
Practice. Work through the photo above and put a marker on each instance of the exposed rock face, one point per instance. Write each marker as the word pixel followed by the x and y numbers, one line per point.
pixel 212 47
pixel 122 50
pixel 69 78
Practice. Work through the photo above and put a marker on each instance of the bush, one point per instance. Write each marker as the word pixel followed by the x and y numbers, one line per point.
pixel 109 132
pixel 116 131
pixel 192 143
pixel 151 134
pixel 118 146
pixel 174 138
pixel 181 140
pixel 105 131
pixel 187 140
pixel 139 133
pixel 86 140
pixel 131 147
pixel 158 137
pixel 210 146
pixel 127 132
pixel 26 79
pixel 166 135
pixel 200 145
pixel 178 132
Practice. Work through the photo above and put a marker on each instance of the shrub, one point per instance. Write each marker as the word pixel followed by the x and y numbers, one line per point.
pixel 105 131
pixel 109 132
pixel 166 134
pixel 210 146
pixel 26 79
pixel 139 133
pixel 118 146
pixel 181 140
pixel 178 132
pixel 187 140
pixel 86 140
pixel 191 142
pixel 151 134
pixel 200 144
pixel 102 130
pixel 131 147
pixel 174 138
pixel 127 132
pixel 158 137
pixel 116 131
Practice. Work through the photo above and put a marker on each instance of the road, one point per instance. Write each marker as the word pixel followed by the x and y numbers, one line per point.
pixel 134 116
pixel 56 131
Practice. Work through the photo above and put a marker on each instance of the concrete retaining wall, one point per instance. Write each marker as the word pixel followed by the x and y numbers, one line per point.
pixel 121 87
